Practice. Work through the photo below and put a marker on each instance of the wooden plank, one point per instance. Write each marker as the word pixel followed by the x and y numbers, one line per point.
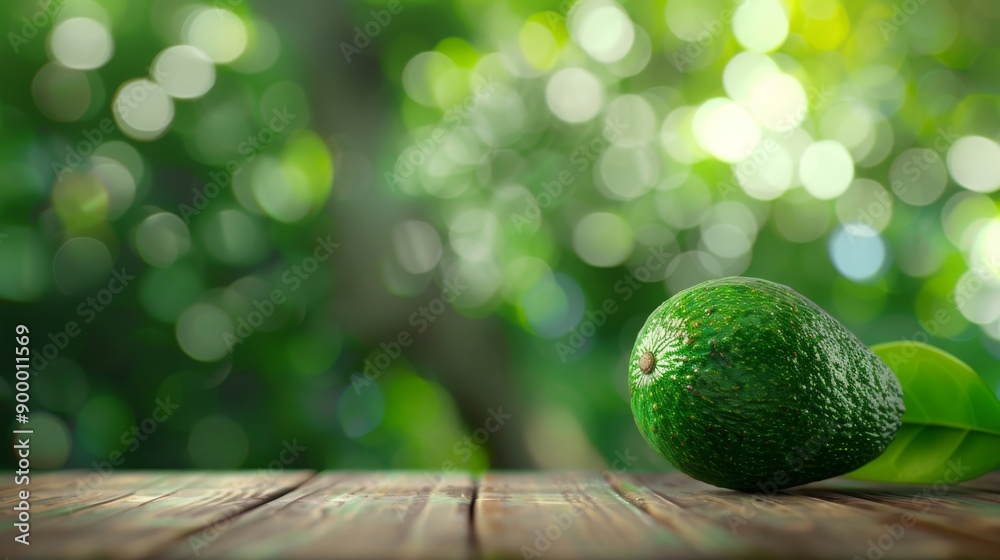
pixel 565 515
pixel 521 515
pixel 782 525
pixel 352 515
pixel 944 504
pixel 703 532
pixel 64 492
pixel 154 512
pixel 808 520
pixel 957 511
pixel 988 483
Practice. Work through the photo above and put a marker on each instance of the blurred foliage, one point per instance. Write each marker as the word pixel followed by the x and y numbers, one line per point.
pixel 260 213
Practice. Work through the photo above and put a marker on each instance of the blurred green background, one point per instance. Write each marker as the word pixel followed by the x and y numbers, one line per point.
pixel 360 235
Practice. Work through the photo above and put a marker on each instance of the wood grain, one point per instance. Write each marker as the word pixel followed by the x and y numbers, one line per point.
pixel 354 515
pixel 565 515
pixel 163 514
pixel 138 514
pixel 833 518
pixel 61 493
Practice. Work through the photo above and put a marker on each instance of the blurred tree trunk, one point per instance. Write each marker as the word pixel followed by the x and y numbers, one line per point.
pixel 349 100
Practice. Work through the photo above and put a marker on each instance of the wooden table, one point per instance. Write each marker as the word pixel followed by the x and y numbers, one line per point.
pixel 303 514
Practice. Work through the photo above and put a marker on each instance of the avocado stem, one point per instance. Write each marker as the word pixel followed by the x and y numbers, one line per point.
pixel 647 362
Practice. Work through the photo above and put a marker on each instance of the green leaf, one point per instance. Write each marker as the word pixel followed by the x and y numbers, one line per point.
pixel 951 428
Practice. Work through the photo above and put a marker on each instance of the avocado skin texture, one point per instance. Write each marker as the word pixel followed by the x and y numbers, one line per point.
pixel 756 388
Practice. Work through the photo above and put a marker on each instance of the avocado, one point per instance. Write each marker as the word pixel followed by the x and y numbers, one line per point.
pixel 745 384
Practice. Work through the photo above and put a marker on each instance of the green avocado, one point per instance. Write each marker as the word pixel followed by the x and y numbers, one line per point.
pixel 745 384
